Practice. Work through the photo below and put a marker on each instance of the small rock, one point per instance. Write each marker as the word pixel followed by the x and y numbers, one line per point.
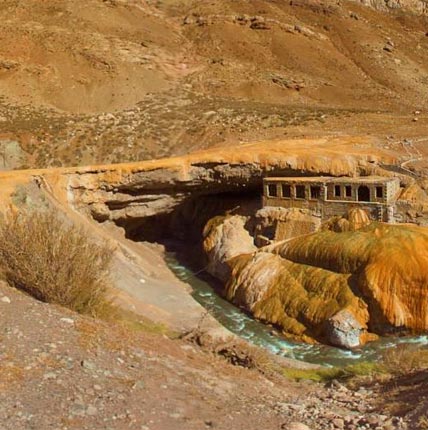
pixel 338 386
pixel 258 23
pixel 49 375
pixel 139 385
pixel 339 423
pixel 5 299
pixel 209 114
pixel 295 426
pixel 67 320
pixel 91 410
pixel 86 364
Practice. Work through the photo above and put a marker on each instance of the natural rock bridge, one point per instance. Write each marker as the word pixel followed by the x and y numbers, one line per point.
pixel 151 197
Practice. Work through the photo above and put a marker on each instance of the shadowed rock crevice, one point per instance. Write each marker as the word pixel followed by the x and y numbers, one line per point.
pixel 187 220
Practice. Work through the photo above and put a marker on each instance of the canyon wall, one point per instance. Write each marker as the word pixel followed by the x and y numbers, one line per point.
pixel 418 7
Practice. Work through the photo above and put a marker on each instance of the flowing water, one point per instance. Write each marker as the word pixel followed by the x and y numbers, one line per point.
pixel 260 334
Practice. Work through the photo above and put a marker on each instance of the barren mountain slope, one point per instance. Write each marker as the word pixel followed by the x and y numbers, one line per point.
pixel 109 81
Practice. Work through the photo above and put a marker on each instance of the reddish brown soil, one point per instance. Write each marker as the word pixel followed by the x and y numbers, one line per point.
pixel 182 75
pixel 60 370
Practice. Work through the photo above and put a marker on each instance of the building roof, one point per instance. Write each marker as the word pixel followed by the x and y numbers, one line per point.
pixel 331 179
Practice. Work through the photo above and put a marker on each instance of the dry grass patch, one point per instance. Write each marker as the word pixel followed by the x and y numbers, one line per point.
pixel 10 374
pixel 55 262
pixel 134 323
pixel 404 359
pixel 89 334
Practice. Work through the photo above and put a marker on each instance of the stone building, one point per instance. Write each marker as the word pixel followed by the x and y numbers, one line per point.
pixel 327 196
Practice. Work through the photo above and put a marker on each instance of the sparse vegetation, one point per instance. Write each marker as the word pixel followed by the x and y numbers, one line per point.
pixel 55 262
pixel 137 323
pixel 241 353
pixel 362 369
pixel 404 359
pixel 400 360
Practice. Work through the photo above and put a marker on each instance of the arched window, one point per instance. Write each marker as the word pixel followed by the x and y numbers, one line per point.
pixel 363 193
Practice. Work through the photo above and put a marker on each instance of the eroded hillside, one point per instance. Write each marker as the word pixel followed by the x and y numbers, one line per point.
pixel 85 82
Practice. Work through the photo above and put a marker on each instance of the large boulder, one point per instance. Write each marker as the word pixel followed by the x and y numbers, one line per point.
pixel 224 238
pixel 343 330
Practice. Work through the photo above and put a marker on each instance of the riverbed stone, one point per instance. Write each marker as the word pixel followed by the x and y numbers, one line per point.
pixel 343 330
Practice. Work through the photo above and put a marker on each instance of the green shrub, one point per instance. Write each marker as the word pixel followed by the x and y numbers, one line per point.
pixel 55 262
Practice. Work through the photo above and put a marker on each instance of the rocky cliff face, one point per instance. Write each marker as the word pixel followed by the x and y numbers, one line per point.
pixel 130 193
pixel 418 7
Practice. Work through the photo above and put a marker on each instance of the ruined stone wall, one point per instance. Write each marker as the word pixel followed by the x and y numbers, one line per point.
pixel 376 212
pixel 313 205
pixel 329 209
pixel 334 197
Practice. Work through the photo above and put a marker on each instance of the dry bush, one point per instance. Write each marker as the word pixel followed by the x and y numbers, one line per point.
pixel 404 359
pixel 55 262
pixel 241 353
pixel 423 422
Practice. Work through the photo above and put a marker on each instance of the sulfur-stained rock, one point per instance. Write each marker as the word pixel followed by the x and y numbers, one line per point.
pixel 358 218
pixel 298 298
pixel 387 264
pixel 334 287
pixel 354 220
